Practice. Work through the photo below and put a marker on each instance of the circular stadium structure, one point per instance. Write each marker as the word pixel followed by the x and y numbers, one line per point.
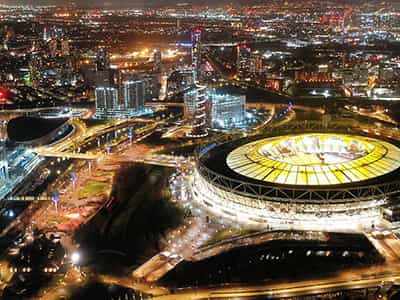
pixel 313 180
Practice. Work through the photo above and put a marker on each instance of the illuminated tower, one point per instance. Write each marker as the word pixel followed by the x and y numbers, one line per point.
pixel 196 54
pixel 196 111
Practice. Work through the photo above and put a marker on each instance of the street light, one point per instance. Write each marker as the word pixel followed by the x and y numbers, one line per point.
pixel 75 258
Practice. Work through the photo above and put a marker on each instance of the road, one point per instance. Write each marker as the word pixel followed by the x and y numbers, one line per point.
pixel 387 244
pixel 182 243
pixel 282 290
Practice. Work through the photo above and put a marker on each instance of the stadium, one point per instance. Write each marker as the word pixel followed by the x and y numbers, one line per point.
pixel 304 181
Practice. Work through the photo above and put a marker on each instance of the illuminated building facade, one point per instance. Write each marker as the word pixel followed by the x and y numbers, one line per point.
pixel 106 99
pixel 134 93
pixel 196 54
pixel 102 60
pixel 227 110
pixel 196 111
pixel 119 97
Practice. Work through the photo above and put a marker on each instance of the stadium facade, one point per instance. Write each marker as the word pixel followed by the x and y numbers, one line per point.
pixel 307 181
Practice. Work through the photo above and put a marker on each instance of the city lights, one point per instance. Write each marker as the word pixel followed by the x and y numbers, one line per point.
pixel 200 149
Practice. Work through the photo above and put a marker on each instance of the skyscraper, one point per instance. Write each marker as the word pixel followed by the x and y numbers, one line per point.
pixel 106 99
pixel 134 93
pixel 196 54
pixel 119 95
pixel 102 60
pixel 107 90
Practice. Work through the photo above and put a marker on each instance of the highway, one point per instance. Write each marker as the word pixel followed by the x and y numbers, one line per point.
pixel 282 290
pixel 83 134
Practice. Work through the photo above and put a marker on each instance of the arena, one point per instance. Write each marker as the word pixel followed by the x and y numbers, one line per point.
pixel 316 181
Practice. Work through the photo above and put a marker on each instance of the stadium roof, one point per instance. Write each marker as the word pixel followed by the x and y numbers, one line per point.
pixel 24 129
pixel 314 159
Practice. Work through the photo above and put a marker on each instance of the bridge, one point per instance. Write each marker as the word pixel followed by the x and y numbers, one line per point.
pixel 162 103
pixel 28 198
pixel 158 160
pixel 87 156
pixel 154 159
pixel 222 44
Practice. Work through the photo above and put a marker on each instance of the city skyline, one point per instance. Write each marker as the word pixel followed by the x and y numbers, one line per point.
pixel 115 3
pixel 159 3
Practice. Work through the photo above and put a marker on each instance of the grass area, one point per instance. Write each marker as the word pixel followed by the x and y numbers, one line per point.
pixel 93 188
pixel 57 219
pixel 287 260
pixel 136 222
pixel 95 122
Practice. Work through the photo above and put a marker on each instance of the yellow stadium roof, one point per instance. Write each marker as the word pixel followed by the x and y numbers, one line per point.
pixel 315 159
